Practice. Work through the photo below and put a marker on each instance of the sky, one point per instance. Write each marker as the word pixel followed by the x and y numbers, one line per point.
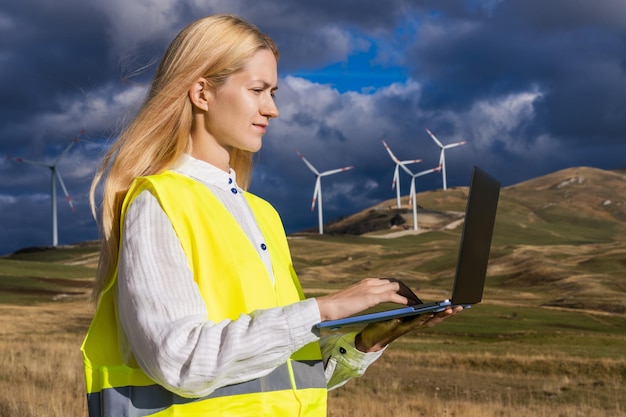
pixel 532 86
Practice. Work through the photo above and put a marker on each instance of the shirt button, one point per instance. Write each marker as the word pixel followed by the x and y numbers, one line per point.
pixel 263 246
pixel 342 350
pixel 230 180
pixel 233 190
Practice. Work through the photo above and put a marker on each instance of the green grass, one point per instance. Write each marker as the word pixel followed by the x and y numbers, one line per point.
pixel 59 254
pixel 501 330
pixel 511 232
pixel 45 275
pixel 614 264
pixel 21 268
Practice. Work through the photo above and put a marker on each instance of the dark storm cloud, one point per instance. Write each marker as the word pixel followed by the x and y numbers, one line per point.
pixel 532 86
pixel 50 50
pixel 574 53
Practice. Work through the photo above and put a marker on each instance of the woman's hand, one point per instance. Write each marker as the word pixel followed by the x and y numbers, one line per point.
pixel 377 335
pixel 363 295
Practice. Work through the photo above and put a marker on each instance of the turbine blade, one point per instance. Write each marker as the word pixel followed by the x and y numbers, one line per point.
pixel 395 177
pixel 411 161
pixel 74 140
pixel 335 171
pixel 26 161
pixel 454 145
pixel 68 148
pixel 405 169
pixel 393 157
pixel 428 171
pixel 311 167
pixel 316 192
pixel 67 195
pixel 434 138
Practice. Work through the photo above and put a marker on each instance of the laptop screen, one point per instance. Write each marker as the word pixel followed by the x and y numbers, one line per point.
pixel 480 214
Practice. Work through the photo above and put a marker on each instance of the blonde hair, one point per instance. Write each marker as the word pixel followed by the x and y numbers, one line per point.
pixel 212 48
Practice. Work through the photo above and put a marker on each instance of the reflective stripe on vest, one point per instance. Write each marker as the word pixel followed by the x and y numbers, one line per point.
pixel 138 401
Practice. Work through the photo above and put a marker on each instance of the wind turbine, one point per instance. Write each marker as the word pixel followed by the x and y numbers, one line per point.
pixel 412 193
pixel 317 193
pixel 396 175
pixel 54 175
pixel 442 157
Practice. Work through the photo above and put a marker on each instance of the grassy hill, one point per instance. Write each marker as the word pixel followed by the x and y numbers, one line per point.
pixel 36 275
pixel 558 238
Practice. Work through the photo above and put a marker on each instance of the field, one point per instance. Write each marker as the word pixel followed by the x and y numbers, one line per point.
pixel 516 354
pixel 548 339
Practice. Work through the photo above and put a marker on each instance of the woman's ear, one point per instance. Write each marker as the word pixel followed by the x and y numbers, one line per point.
pixel 200 93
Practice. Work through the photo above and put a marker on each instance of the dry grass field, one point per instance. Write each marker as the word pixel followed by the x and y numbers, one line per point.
pixel 430 375
pixel 513 355
pixel 547 340
pixel 40 359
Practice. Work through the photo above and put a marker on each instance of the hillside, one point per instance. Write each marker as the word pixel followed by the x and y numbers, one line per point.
pixel 579 196
pixel 558 241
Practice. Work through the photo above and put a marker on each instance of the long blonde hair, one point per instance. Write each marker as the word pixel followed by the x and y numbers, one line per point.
pixel 212 48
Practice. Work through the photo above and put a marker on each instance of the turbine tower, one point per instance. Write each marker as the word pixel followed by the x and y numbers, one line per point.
pixel 412 197
pixel 54 175
pixel 317 193
pixel 442 157
pixel 396 175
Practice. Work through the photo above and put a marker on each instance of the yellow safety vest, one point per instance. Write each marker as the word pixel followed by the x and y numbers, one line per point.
pixel 233 280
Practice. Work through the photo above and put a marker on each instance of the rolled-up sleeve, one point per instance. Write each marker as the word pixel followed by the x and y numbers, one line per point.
pixel 343 361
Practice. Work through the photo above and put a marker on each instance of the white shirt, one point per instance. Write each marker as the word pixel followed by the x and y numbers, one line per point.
pixel 163 315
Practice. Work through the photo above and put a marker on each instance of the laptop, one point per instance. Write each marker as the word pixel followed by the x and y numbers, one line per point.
pixel 471 268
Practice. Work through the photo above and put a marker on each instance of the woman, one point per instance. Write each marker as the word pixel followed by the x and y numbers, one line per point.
pixel 199 310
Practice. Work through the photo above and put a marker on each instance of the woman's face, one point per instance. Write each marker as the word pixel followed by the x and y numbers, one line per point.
pixel 239 111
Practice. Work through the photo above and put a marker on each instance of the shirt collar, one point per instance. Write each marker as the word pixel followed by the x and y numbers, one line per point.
pixel 206 173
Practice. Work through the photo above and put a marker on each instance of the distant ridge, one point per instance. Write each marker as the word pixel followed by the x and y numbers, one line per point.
pixel 95 244
pixel 559 238
pixel 580 191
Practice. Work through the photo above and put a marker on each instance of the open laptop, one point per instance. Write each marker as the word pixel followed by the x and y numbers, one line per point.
pixel 471 268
